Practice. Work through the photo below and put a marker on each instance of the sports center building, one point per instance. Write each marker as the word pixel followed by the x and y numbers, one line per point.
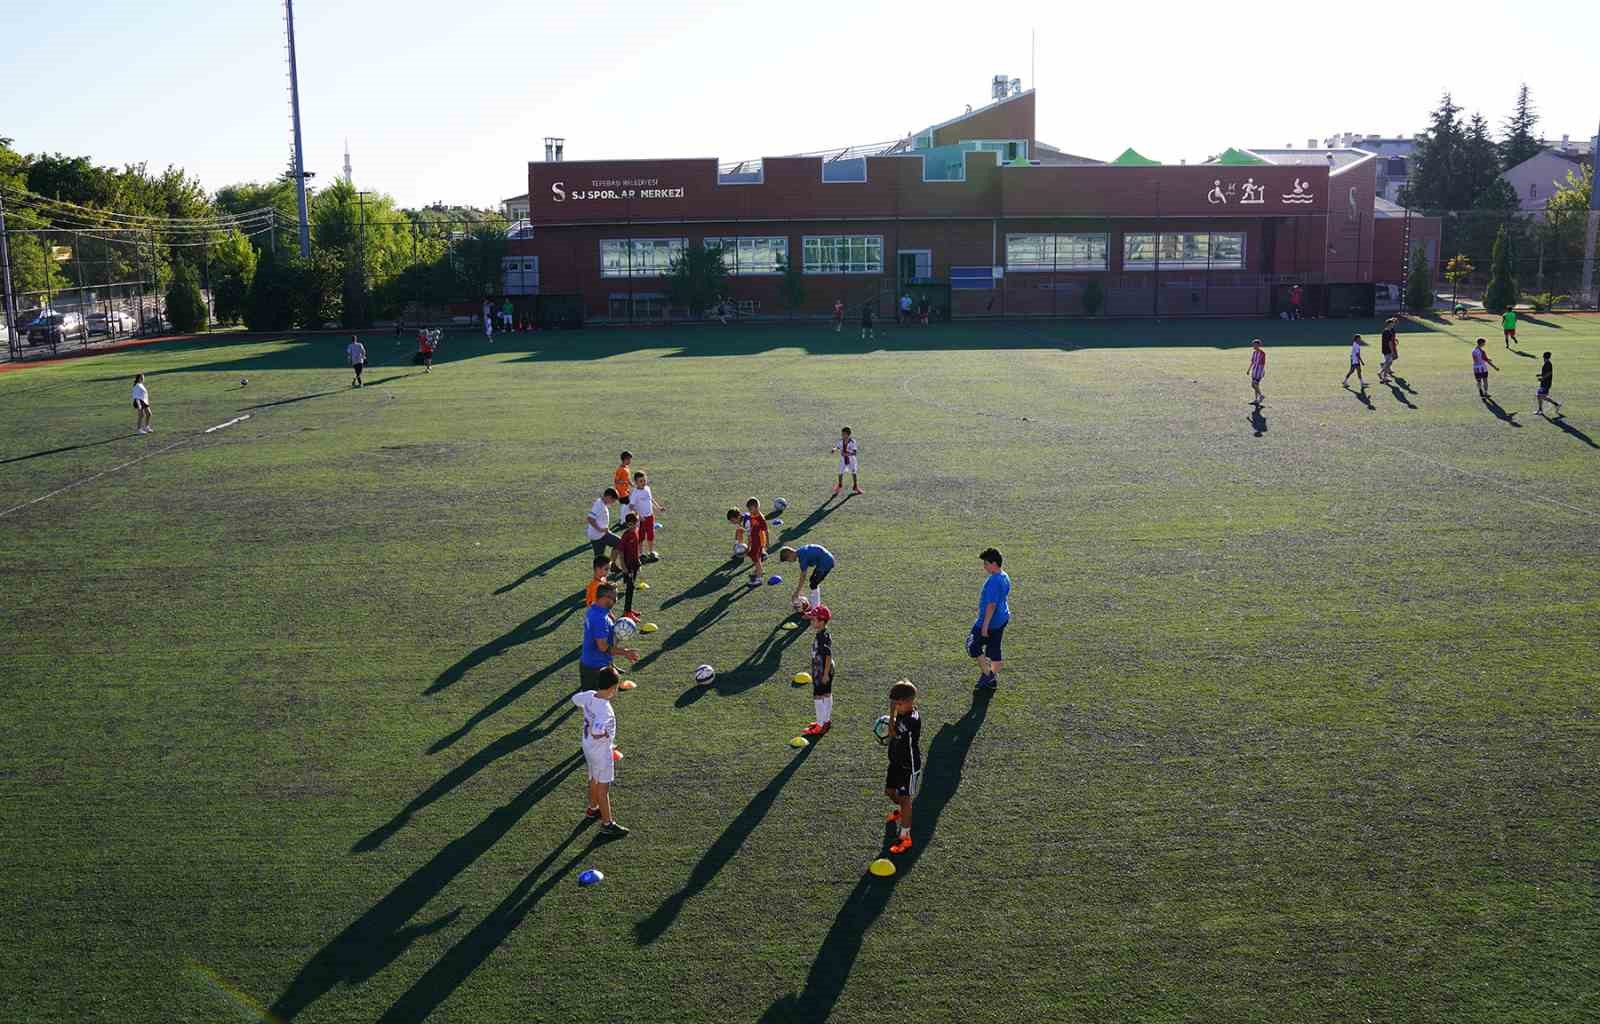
pixel 979 218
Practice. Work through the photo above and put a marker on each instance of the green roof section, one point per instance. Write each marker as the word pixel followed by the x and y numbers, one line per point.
pixel 1237 158
pixel 1133 158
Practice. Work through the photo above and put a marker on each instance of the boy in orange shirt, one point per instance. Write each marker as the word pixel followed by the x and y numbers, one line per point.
pixel 601 564
pixel 756 539
pixel 622 479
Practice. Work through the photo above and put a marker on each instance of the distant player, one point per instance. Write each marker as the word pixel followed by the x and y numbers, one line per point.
pixel 507 311
pixel 425 350
pixel 141 405
pixel 866 321
pixel 1481 364
pixel 838 315
pixel 644 502
pixel 599 742
pixel 1296 297
pixel 357 354
pixel 1355 363
pixel 1391 352
pixel 1508 325
pixel 756 539
pixel 821 670
pixel 741 532
pixel 812 558
pixel 905 308
pixel 628 545
pixel 1547 375
pixel 994 615
pixel 905 759
pixel 847 462
pixel 1258 369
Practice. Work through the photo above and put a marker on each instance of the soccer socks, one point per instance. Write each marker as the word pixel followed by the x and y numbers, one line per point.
pixel 816 596
pixel 824 709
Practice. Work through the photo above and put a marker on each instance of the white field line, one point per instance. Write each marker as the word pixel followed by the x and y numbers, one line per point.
pixel 236 419
pixel 92 479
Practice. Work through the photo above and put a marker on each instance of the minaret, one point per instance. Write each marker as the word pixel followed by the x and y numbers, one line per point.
pixel 347 180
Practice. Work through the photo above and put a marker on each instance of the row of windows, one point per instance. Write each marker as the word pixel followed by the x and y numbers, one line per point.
pixel 863 254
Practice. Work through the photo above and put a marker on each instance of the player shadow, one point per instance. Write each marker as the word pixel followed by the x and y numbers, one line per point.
pixel 1362 397
pixel 714 581
pixel 298 398
pixel 1525 355
pixel 1405 385
pixel 818 514
pixel 704 619
pixel 1529 319
pixel 542 624
pixel 754 670
pixel 547 722
pixel 541 569
pixel 722 850
pixel 1258 422
pixel 1499 413
pixel 1560 420
pixel 946 757
pixel 382 934
pixel 505 700
pixel 68 448
pixel 438 982
pixel 1400 395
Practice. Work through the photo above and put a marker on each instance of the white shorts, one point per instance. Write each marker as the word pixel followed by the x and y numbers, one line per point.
pixel 847 464
pixel 597 754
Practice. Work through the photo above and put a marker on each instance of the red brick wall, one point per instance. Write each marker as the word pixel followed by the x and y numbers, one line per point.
pixel 1350 222
pixel 1013 119
pixel 1389 260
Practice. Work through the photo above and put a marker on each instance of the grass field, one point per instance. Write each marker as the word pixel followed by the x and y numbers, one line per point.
pixel 1298 722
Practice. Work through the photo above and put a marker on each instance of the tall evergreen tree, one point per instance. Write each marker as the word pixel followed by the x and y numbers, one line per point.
pixel 1502 292
pixel 1436 171
pixel 1521 141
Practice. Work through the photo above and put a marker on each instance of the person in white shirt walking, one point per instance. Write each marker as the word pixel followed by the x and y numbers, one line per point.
pixel 141 402
pixel 1356 344
pixel 357 354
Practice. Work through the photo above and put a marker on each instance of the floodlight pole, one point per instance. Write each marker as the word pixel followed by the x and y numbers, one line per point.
pixel 5 263
pixel 1594 228
pixel 299 157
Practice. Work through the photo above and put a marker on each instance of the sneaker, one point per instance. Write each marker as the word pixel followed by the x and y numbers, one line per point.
pixel 826 726
pixel 592 812
pixel 901 845
pixel 837 488
pixel 857 490
pixel 892 817
pixel 611 828
pixel 631 615
pixel 814 729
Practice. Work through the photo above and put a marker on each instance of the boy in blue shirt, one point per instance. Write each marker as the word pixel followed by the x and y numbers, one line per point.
pixel 598 647
pixel 815 559
pixel 994 613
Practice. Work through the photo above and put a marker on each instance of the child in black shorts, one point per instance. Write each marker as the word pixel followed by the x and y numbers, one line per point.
pixel 821 670
pixel 905 759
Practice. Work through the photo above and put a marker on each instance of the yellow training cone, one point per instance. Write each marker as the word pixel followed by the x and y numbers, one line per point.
pixel 802 678
pixel 648 627
pixel 643 585
pixel 883 867
pixel 791 625
pixel 799 741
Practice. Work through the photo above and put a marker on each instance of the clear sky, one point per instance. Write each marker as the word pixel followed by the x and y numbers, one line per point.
pixel 448 101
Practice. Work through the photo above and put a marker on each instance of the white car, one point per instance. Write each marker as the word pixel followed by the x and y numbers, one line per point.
pixel 115 324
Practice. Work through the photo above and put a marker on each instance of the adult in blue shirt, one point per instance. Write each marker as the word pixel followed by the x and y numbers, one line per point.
pixel 598 647
pixel 994 613
pixel 813 558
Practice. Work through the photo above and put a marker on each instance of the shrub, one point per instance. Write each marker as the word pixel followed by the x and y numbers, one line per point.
pixel 186 305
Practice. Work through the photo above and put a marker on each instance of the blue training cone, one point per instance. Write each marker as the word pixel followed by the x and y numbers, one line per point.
pixel 774 580
pixel 590 877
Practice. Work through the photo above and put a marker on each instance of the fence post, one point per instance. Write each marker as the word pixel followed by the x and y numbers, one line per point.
pixel 5 274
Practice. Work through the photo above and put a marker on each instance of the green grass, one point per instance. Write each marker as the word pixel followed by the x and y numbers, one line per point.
pixel 1298 721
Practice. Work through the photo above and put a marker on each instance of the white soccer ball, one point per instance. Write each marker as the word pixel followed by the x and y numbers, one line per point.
pixel 704 675
pixel 778 504
pixel 802 605
pixel 739 550
pixel 880 728
pixel 625 632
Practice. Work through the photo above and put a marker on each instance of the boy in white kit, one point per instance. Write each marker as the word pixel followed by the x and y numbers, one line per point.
pixel 847 462
pixel 599 743
pixel 643 501
pixel 1356 345
pixel 141 402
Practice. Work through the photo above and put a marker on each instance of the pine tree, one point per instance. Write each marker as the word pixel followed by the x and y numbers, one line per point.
pixel 1480 166
pixel 1436 163
pixel 1419 284
pixel 186 305
pixel 1521 141
pixel 1502 292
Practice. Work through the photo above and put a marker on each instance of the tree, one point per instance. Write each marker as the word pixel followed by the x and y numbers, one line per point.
pixel 1419 283
pixel 1520 141
pixel 270 301
pixel 1502 292
pixel 1457 269
pixel 186 306
pixel 233 267
pixel 1436 180
pixel 696 278
pixel 793 285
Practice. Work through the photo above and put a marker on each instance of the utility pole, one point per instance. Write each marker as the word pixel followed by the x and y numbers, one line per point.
pixel 361 200
pixel 1589 235
pixel 298 171
pixel 5 270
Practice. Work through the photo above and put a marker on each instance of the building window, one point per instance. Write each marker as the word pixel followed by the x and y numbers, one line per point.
pixel 1056 252
pixel 1182 250
pixel 638 257
pixel 755 255
pixel 843 254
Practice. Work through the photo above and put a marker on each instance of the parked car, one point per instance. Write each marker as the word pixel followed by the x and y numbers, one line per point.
pixel 116 323
pixel 155 323
pixel 55 328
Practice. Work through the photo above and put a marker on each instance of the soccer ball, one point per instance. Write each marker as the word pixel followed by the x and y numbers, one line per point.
pixel 739 550
pixel 626 631
pixel 243 381
pixel 778 504
pixel 704 675
pixel 802 605
pixel 880 729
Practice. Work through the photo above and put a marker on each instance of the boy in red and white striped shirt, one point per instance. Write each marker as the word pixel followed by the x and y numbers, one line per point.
pixel 1258 369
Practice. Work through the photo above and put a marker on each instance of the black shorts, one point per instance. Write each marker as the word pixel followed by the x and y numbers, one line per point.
pixel 600 546
pixel 590 678
pixel 821 687
pixel 358 367
pixel 817 576
pixel 902 781
pixel 979 646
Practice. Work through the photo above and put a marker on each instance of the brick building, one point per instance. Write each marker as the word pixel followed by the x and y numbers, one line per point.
pixel 974 215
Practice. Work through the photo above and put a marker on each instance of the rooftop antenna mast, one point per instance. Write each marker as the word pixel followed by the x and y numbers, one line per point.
pixel 297 167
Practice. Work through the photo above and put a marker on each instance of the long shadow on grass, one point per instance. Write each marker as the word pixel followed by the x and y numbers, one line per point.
pixel 1525 355
pixel 1258 421
pixel 1560 420
pixel 505 700
pixel 380 935
pixel 947 754
pixel 1400 396
pixel 721 851
pixel 1499 413
pixel 540 570
pixel 1405 385
pixel 1362 396
pixel 58 451
pixel 714 581
pixel 543 623
pixel 467 955
pixel 817 515
pixel 754 670
pixel 547 722
pixel 703 620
